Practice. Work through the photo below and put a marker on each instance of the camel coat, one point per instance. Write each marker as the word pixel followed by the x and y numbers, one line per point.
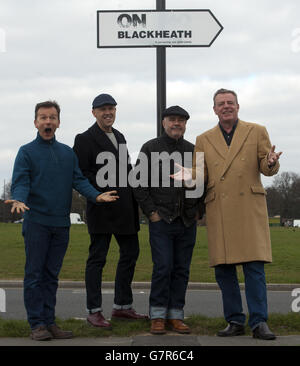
pixel 236 209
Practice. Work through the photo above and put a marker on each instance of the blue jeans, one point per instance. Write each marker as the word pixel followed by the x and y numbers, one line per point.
pixel 255 290
pixel 45 248
pixel 172 248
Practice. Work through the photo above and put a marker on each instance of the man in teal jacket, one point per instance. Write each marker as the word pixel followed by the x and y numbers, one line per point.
pixel 45 171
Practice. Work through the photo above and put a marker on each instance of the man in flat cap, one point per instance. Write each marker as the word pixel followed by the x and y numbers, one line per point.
pixel 172 221
pixel 97 147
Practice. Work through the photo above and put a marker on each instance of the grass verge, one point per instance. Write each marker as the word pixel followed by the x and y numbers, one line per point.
pixel 281 325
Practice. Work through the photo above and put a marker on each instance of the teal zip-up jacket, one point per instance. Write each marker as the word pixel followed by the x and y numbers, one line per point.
pixel 43 177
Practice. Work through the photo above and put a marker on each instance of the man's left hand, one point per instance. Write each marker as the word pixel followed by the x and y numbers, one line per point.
pixel 273 157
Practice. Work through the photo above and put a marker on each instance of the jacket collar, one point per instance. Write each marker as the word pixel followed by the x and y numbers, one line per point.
pixel 40 140
pixel 169 140
pixel 100 137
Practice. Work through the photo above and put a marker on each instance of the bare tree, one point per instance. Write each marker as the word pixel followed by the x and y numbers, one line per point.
pixel 284 195
pixel 6 192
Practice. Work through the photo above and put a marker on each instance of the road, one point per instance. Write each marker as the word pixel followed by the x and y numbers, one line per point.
pixel 71 302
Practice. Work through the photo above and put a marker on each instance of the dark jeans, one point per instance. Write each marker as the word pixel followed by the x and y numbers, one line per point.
pixel 129 252
pixel 255 290
pixel 172 248
pixel 45 248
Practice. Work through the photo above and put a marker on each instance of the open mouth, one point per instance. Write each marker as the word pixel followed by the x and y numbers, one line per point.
pixel 48 130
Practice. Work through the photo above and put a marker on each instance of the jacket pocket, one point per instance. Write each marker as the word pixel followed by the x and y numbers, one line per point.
pixel 210 197
pixel 258 189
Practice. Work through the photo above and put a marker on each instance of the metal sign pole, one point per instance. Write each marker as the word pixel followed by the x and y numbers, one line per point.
pixel 160 77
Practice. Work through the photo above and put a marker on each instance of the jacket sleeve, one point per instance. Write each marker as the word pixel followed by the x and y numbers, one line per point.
pixel 20 187
pixel 81 149
pixel 82 184
pixel 142 191
pixel 264 147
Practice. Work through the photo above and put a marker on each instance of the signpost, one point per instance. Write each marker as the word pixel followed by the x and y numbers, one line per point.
pixel 158 28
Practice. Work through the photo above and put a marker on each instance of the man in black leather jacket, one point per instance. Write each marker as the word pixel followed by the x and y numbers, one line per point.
pixel 172 220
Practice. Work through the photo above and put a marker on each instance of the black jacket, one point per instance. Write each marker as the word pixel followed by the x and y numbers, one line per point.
pixel 170 202
pixel 121 216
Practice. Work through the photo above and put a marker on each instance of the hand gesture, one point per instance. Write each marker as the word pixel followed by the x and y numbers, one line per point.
pixel 273 157
pixel 184 174
pixel 110 196
pixel 17 205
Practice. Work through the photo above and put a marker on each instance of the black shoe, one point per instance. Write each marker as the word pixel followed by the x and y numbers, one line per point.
pixel 262 331
pixel 233 329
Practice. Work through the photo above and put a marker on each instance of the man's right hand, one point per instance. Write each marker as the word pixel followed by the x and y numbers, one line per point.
pixel 17 205
pixel 183 174
pixel 154 217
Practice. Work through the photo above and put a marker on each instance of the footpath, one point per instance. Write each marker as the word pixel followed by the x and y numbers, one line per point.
pixel 171 339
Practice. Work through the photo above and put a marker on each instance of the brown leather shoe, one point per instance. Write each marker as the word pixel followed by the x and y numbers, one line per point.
pixel 58 333
pixel 40 334
pixel 177 325
pixel 127 314
pixel 158 326
pixel 98 320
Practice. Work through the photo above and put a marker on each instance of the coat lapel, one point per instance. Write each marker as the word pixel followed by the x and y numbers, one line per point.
pixel 102 140
pixel 239 138
pixel 217 140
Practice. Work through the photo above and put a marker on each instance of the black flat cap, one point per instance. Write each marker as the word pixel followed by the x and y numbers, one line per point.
pixel 103 99
pixel 175 110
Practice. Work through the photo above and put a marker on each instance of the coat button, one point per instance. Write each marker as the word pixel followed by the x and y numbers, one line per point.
pixel 222 178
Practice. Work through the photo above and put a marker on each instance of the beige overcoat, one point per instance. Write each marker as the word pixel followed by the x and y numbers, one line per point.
pixel 236 209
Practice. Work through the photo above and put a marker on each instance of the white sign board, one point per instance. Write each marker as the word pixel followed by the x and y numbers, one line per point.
pixel 151 28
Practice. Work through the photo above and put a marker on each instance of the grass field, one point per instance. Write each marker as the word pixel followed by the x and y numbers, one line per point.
pixel 284 269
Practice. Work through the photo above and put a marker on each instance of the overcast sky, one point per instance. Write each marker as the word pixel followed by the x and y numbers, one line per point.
pixel 48 50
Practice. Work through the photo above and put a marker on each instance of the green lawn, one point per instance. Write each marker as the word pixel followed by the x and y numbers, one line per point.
pixel 284 269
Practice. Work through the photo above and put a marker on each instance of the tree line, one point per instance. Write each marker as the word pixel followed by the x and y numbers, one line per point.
pixel 283 199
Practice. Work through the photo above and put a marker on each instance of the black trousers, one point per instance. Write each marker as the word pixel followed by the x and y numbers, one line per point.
pixel 129 252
